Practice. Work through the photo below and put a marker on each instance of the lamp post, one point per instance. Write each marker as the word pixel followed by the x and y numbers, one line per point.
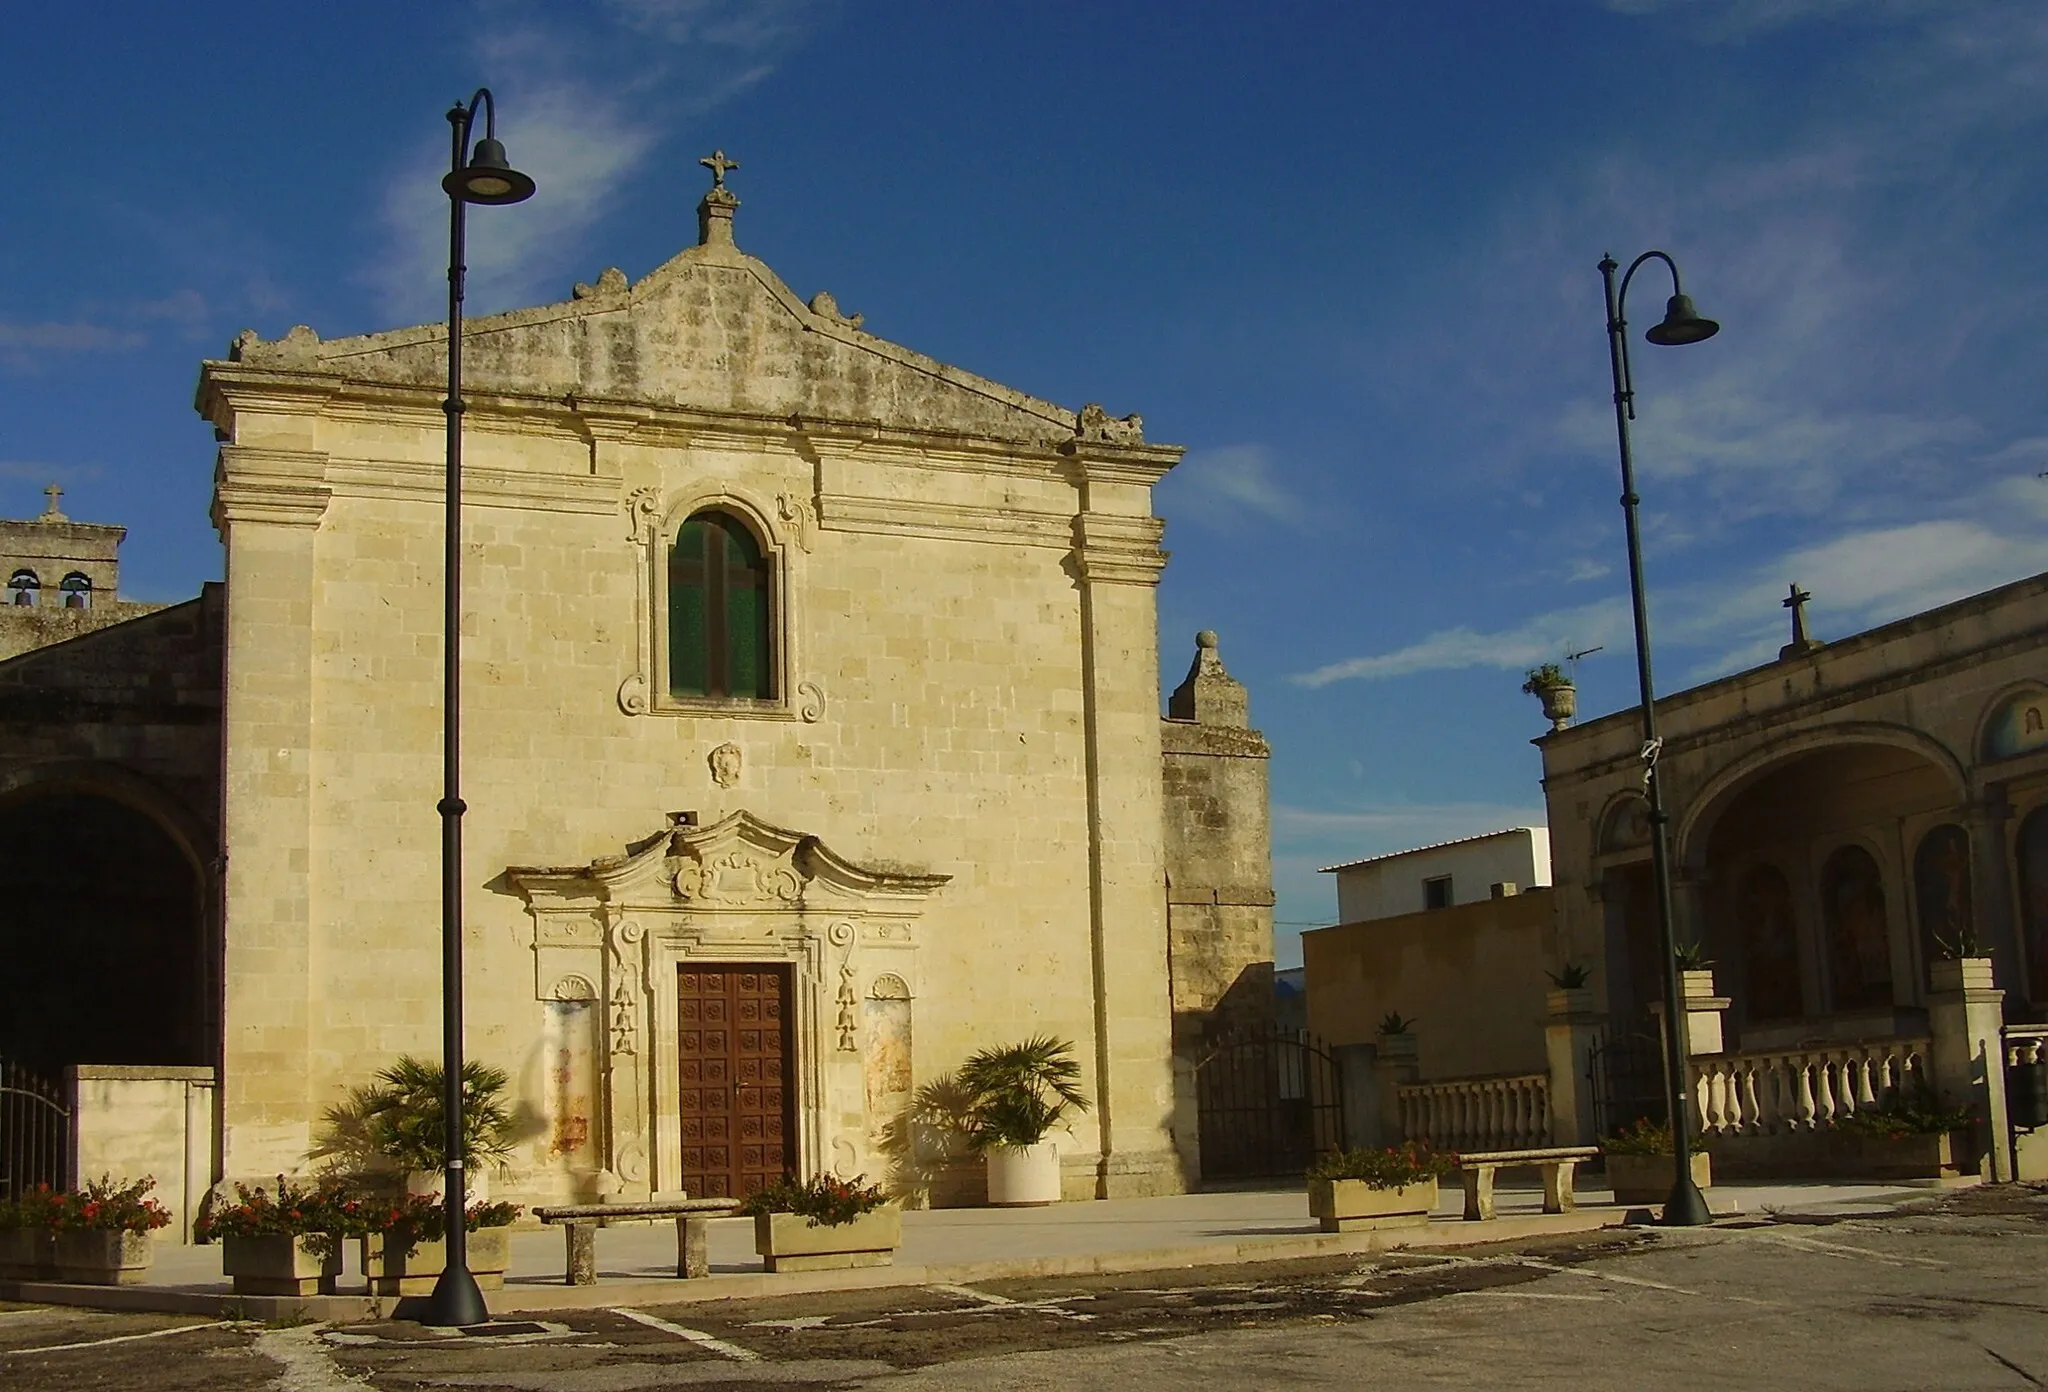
pixel 482 176
pixel 1686 1206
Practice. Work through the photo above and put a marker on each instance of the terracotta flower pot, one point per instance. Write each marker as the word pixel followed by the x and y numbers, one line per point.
pixel 792 1242
pixel 93 1258
pixel 1352 1205
pixel 281 1263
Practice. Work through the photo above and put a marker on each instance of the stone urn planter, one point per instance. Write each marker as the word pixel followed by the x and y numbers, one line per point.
pixel 99 1258
pixel 1352 1205
pixel 1560 704
pixel 1023 1176
pixel 27 1254
pixel 792 1242
pixel 1638 1180
pixel 392 1270
pixel 281 1263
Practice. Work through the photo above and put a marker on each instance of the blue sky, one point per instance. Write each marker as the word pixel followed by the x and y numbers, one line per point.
pixel 1343 252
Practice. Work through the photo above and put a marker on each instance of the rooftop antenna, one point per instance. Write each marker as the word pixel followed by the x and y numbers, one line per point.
pixel 1573 658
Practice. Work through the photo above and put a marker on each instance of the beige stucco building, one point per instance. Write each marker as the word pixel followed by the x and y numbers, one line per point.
pixel 810 686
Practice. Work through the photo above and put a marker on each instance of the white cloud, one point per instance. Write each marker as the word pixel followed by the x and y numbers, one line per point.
pixel 584 106
pixel 1544 638
pixel 1220 486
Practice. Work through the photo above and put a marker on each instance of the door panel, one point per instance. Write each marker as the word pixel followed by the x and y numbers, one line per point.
pixel 736 1077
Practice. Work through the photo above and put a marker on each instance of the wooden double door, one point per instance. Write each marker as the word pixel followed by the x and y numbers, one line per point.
pixel 737 1077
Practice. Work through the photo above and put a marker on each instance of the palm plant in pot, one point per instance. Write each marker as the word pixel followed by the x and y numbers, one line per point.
pixel 399 1121
pixel 1020 1093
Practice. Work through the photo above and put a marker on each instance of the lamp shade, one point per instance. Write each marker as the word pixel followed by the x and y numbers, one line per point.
pixel 489 177
pixel 1682 324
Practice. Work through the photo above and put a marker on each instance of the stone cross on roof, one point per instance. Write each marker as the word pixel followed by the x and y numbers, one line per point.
pixel 51 512
pixel 719 166
pixel 1796 602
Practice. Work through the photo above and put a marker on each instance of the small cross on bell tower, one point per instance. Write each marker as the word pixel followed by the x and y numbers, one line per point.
pixel 51 512
pixel 1800 644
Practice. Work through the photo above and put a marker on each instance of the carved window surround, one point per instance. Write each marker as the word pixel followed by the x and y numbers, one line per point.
pixel 618 930
pixel 784 526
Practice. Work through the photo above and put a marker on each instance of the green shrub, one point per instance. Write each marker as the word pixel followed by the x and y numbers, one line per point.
pixel 1898 1118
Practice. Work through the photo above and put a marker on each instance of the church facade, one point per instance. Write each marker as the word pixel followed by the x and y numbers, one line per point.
pixel 812 740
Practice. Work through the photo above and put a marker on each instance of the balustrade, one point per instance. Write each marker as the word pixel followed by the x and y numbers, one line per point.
pixel 1780 1090
pixel 1478 1114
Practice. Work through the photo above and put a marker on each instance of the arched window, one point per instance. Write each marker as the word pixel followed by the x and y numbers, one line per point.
pixel 23 587
pixel 2033 866
pixel 720 611
pixel 1941 893
pixel 1770 946
pixel 77 591
pixel 1859 947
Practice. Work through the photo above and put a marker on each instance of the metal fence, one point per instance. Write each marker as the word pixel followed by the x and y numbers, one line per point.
pixel 35 1130
pixel 1625 1081
pixel 1269 1102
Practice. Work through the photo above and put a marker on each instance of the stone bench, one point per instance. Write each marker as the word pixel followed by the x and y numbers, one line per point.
pixel 1557 1163
pixel 579 1224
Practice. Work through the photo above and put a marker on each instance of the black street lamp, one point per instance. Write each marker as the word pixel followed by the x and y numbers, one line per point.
pixel 482 176
pixel 1686 1206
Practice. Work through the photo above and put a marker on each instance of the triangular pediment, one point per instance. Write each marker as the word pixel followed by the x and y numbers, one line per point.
pixel 712 330
pixel 739 863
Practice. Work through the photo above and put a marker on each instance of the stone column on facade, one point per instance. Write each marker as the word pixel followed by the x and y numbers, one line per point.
pixel 1966 1019
pixel 1569 1037
pixel 268 504
pixel 1118 561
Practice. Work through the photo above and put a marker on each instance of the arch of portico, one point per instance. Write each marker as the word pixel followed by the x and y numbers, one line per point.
pixel 1819 875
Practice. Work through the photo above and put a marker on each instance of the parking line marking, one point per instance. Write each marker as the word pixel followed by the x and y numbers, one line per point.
pixel 695 1336
pixel 118 1339
pixel 970 1293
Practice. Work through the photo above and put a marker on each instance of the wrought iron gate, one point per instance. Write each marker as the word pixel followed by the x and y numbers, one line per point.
pixel 35 1131
pixel 1269 1102
pixel 1625 1080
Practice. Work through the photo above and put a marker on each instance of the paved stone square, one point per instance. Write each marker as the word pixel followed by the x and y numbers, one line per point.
pixel 1941 1290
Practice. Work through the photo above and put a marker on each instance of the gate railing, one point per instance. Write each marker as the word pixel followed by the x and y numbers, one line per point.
pixel 1268 1102
pixel 1780 1090
pixel 35 1131
pixel 1511 1112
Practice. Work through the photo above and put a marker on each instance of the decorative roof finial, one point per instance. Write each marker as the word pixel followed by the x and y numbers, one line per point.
pixel 714 213
pixel 718 164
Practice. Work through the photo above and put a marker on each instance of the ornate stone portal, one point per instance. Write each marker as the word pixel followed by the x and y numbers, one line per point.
pixel 740 891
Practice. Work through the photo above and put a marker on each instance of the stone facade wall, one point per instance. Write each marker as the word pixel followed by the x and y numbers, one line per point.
pixel 1909 706
pixel 1219 857
pixel 1472 977
pixel 130 709
pixel 950 811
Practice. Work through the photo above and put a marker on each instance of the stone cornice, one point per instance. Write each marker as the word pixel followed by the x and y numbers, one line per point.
pixel 285 488
pixel 1111 548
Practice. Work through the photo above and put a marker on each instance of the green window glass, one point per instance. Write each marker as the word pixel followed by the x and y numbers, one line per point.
pixel 720 606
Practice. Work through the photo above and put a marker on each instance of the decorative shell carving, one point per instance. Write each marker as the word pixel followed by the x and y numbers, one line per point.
pixel 573 988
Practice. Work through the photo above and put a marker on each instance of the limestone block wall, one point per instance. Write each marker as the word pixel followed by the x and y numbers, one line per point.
pixel 147 1123
pixel 949 687
pixel 1219 856
pixel 131 709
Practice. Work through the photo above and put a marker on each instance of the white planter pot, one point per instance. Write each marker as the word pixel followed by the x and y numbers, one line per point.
pixel 1023 1176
